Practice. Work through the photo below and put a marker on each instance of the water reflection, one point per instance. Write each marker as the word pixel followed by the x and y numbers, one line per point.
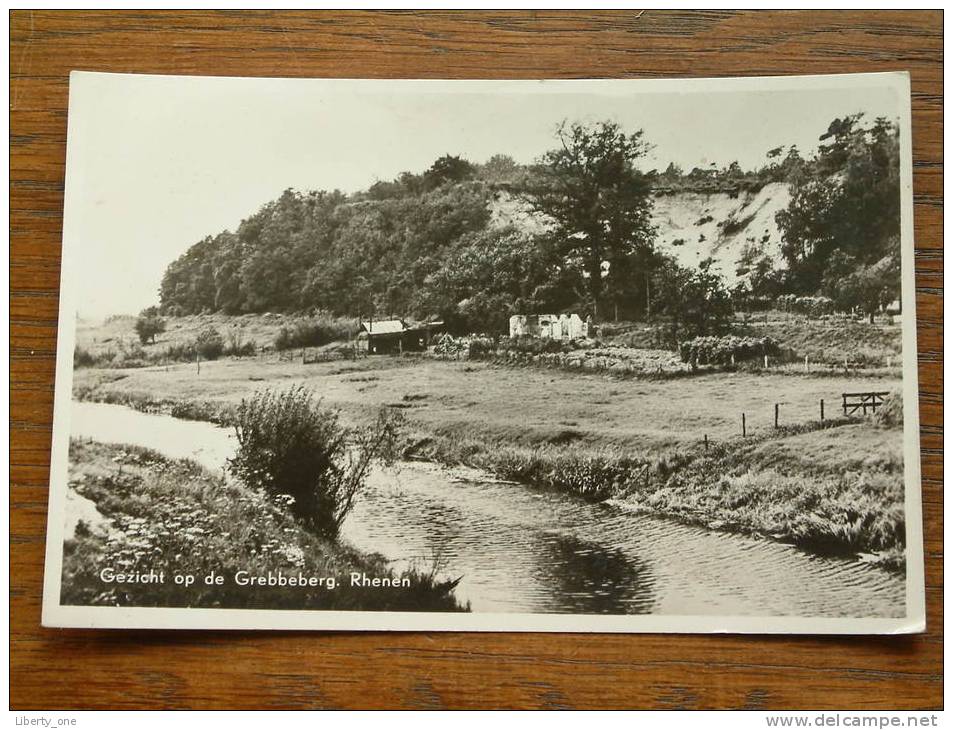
pixel 588 578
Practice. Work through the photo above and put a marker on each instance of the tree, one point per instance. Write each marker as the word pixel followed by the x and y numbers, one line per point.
pixel 500 169
pixel 448 168
pixel 149 324
pixel 486 276
pixel 760 276
pixel 695 302
pixel 867 287
pixel 600 204
pixel 849 204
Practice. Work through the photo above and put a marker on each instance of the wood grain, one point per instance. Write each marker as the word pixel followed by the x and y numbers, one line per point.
pixel 125 669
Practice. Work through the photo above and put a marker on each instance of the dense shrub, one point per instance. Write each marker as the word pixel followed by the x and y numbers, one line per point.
pixel 449 346
pixel 750 303
pixel 535 345
pixel 719 350
pixel 244 349
pixel 83 358
pixel 593 476
pixel 640 337
pixel 181 351
pixel 315 331
pixel 289 445
pixel 209 343
pixel 236 346
pixel 481 347
pixel 890 414
pixel 811 306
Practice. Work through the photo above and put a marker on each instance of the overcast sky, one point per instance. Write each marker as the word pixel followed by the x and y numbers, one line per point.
pixel 157 163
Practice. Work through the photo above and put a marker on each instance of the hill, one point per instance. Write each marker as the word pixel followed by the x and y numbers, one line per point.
pixel 583 229
pixel 726 227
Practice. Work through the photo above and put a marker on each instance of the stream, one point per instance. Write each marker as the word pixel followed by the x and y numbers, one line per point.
pixel 520 549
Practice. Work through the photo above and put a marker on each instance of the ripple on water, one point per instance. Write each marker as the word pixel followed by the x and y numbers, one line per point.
pixel 527 550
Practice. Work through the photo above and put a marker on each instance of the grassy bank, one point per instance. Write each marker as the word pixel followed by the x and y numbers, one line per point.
pixel 174 517
pixel 827 488
pixel 815 489
pixel 831 488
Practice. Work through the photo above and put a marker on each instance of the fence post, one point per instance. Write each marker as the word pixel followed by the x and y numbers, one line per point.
pixel 766 362
pixel 807 364
pixel 198 364
pixel 706 442
pixel 844 396
pixel 776 407
pixel 744 429
pixel 822 410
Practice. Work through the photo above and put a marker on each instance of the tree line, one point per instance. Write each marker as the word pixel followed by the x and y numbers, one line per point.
pixel 426 245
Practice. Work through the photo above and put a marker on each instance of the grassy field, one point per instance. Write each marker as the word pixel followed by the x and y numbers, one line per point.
pixel 170 517
pixel 521 406
pixel 114 342
pixel 831 487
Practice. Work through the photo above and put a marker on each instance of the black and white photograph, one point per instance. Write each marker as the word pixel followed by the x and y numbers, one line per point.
pixel 579 355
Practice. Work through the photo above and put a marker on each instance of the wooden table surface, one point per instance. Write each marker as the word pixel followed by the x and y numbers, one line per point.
pixel 128 669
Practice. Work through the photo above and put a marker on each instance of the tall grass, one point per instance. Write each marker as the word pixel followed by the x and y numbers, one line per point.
pixel 890 414
pixel 174 517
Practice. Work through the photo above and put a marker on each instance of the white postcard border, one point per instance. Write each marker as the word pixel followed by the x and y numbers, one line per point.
pixel 82 86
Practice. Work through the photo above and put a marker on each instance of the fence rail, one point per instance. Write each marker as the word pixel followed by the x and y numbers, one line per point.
pixel 853 402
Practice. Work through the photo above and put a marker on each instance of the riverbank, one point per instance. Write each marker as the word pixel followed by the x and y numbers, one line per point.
pixel 147 518
pixel 832 487
pixel 808 485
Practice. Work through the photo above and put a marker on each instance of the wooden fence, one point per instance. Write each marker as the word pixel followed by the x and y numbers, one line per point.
pixel 853 402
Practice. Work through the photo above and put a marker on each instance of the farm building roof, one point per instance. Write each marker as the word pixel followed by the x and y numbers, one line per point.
pixel 383 327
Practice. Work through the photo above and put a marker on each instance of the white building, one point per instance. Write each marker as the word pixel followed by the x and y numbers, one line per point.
pixel 559 327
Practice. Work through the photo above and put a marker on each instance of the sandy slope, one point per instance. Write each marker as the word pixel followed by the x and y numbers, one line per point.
pixel 691 226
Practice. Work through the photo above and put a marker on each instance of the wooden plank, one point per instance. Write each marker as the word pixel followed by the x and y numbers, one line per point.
pixel 128 669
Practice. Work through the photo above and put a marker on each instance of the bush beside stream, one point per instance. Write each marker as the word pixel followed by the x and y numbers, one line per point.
pixel 175 517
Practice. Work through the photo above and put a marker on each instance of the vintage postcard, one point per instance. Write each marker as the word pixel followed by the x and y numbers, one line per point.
pixel 487 355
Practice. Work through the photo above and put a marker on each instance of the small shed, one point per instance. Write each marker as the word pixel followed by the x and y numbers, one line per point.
pixel 382 336
pixel 388 336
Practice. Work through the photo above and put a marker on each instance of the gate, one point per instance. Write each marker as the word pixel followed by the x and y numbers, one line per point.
pixel 854 402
